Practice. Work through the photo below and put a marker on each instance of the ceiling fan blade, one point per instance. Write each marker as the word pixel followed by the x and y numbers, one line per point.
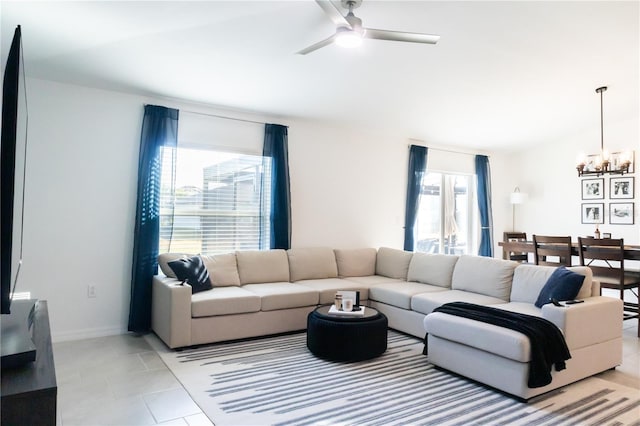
pixel 317 46
pixel 401 36
pixel 333 13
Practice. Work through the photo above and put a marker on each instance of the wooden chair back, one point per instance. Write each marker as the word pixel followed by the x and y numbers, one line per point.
pixel 608 255
pixel 554 247
pixel 514 255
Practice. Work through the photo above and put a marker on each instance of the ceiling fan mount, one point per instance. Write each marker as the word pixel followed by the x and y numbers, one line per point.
pixel 351 4
pixel 350 32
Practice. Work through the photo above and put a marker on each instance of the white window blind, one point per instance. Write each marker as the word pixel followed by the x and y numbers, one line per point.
pixel 221 201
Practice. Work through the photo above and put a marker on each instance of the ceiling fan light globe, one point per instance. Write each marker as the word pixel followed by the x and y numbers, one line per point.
pixel 348 39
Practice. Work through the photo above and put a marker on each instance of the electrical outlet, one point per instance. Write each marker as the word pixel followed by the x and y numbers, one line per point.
pixel 91 291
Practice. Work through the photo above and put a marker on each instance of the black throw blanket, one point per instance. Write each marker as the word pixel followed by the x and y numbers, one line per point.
pixel 548 347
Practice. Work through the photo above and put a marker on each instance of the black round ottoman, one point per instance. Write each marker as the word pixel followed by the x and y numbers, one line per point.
pixel 339 338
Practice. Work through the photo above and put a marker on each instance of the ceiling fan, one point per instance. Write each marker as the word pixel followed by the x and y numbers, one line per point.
pixel 350 32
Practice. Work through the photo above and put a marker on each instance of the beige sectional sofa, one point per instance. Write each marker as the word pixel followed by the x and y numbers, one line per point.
pixel 266 292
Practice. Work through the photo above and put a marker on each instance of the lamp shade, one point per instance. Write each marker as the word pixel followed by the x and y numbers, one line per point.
pixel 518 197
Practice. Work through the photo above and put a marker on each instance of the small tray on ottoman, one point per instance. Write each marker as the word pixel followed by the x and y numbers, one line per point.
pixel 334 311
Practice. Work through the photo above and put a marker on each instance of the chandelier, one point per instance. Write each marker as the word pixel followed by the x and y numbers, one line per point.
pixel 601 163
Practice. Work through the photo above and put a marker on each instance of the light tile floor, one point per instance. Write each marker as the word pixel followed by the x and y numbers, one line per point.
pixel 120 380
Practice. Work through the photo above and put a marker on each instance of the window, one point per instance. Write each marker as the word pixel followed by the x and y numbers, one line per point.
pixel 221 201
pixel 446 220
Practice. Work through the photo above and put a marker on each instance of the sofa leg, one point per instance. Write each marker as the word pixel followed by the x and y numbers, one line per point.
pixel 425 350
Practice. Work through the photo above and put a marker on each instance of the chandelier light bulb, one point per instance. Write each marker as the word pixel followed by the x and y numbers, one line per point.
pixel 625 157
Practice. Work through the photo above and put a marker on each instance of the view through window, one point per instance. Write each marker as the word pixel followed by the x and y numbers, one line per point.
pixel 446 219
pixel 221 202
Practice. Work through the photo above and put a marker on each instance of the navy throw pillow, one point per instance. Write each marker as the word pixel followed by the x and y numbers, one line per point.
pixel 563 284
pixel 192 270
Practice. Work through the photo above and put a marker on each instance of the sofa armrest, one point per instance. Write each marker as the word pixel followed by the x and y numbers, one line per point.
pixel 171 311
pixel 597 320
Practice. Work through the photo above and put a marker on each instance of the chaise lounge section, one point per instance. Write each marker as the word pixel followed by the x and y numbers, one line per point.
pixel 500 357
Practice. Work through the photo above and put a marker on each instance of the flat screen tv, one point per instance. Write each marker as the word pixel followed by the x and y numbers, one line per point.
pixel 17 346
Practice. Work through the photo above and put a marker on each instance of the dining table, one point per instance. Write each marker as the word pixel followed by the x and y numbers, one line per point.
pixel 631 252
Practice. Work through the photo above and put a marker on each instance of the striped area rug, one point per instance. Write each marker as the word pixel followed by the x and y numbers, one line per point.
pixel 276 381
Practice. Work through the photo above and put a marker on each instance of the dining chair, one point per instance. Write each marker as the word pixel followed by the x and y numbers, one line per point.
pixel 551 246
pixel 605 257
pixel 515 255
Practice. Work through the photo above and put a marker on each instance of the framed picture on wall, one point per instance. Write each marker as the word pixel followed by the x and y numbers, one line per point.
pixel 593 189
pixel 592 212
pixel 621 188
pixel 621 213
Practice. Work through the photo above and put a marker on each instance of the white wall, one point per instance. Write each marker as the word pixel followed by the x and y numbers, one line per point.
pixel 80 204
pixel 347 188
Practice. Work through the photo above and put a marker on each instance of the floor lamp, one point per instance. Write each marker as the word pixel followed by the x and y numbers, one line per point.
pixel 516 197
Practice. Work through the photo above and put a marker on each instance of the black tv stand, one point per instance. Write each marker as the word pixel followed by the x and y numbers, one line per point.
pixel 29 392
pixel 17 342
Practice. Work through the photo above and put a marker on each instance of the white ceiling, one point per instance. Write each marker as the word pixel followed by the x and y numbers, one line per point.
pixel 503 75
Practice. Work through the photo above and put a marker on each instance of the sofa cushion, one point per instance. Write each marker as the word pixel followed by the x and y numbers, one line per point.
pixel 528 280
pixel 393 263
pixel 491 338
pixel 224 301
pixel 312 263
pixel 223 269
pixel 434 269
pixel 425 303
pixel 193 271
pixel 562 285
pixel 484 275
pixel 283 295
pixel 267 266
pixel 399 293
pixel 165 258
pixel 328 287
pixel 356 262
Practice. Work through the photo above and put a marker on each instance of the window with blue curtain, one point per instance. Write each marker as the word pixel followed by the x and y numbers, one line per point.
pixel 446 216
pixel 223 187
